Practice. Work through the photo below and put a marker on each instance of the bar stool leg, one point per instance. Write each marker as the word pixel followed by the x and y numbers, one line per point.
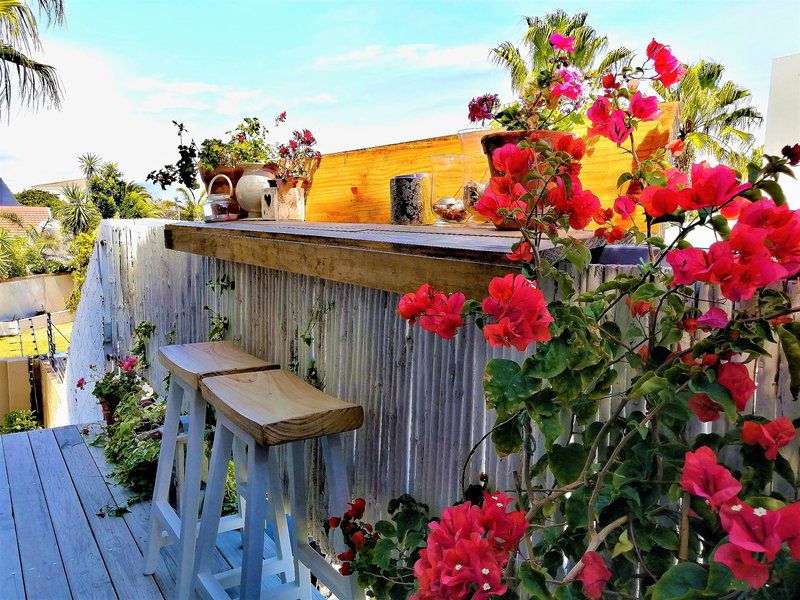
pixel 253 535
pixel 297 499
pixel 191 495
pixel 212 506
pixel 277 519
pixel 240 471
pixel 166 457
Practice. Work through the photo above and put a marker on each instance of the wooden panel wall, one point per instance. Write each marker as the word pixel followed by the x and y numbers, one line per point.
pixel 353 186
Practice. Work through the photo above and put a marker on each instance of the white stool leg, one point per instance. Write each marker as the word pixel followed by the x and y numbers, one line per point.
pixel 339 496
pixel 191 495
pixel 180 473
pixel 299 510
pixel 277 518
pixel 253 535
pixel 215 494
pixel 166 457
pixel 240 471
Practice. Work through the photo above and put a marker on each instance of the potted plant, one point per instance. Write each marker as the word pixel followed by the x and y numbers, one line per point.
pixel 114 385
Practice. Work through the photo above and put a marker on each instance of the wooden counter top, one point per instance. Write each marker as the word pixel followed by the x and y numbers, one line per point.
pixel 394 258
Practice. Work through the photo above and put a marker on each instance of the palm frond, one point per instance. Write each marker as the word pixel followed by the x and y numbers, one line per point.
pixel 35 83
pixel 508 57
pixel 18 25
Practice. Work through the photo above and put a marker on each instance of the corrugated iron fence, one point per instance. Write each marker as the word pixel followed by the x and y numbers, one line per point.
pixel 422 395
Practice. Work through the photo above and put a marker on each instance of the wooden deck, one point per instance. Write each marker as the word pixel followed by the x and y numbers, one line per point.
pixel 53 542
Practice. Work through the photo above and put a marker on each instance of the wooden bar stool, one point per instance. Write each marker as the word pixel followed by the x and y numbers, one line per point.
pixel 188 365
pixel 266 409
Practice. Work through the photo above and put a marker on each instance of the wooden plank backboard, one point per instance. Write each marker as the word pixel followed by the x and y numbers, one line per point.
pixel 353 186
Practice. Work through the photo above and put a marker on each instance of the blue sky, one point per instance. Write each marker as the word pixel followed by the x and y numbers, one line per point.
pixel 356 73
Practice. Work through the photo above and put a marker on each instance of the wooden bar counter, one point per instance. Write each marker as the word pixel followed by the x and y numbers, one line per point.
pixel 394 258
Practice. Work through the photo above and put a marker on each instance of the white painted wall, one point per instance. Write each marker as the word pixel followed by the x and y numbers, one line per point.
pixel 26 296
pixel 783 117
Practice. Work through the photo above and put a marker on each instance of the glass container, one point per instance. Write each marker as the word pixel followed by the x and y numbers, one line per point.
pixel 447 189
pixel 221 207
pixel 476 172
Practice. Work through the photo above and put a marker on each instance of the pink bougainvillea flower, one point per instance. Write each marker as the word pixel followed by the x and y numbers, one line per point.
pixel 644 107
pixel 512 160
pixel 572 145
pixel 501 193
pixel 771 436
pixel 779 226
pixel 704 408
pixel 521 252
pixel 569 83
pixel 593 575
pixel 625 206
pixel 686 263
pixel 608 122
pixel 483 107
pixel 611 234
pixel 743 565
pixel 712 187
pixel 128 364
pixel 668 68
pixel 437 312
pixel 735 377
pixel 519 313
pixel 703 477
pixel 789 527
pixel 714 318
pixel 562 42
pixel 753 529
pixel 658 201
pixel 792 153
pixel 505 528
pixel 81 383
pixel 579 204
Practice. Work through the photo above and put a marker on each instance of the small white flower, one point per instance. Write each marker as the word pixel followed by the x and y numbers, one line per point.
pixel 760 512
pixel 485 571
pixel 486 587
pixel 459 567
pixel 736 507
pixel 500 504
pixel 495 498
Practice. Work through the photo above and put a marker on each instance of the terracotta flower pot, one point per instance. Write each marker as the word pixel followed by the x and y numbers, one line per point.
pixel 221 186
pixel 108 411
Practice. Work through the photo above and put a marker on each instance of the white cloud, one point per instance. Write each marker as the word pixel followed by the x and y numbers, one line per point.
pixel 417 56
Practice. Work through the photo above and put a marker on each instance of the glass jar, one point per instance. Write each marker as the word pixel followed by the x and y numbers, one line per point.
pixel 447 189
pixel 476 172
pixel 221 207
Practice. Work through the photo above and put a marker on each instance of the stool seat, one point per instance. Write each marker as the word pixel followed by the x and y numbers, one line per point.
pixel 193 362
pixel 277 407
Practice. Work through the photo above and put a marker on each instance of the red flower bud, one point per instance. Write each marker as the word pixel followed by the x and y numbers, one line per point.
pixel 347 556
pixel 334 522
pixel 345 569
pixel 359 540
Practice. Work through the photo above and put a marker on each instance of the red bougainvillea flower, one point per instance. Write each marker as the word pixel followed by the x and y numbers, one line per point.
pixel 779 226
pixel 771 436
pixel 789 527
pixel 437 312
pixel 712 186
pixel 625 206
pixel 609 81
pixel 562 42
pixel 668 68
pixel 519 312
pixel 658 201
pixel 644 107
pixel 504 528
pixel 792 153
pixel 743 565
pixel 611 234
pixel 705 408
pixel 713 318
pixel 638 308
pixel 81 383
pixel 512 160
pixel 703 477
pixel 128 364
pixel 483 107
pixel 686 263
pixel 607 122
pixel 521 252
pixel 593 575
pixel 572 145
pixel 753 529
pixel 676 147
pixel 569 83
pixel 501 193
pixel 735 377
pixel 580 205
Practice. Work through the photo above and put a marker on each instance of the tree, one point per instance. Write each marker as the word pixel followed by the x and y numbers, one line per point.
pixel 716 116
pixel 525 65
pixel 107 189
pixel 90 164
pixel 79 215
pixel 136 202
pixel 34 83
pixel 32 197
pixel 32 251
pixel 191 208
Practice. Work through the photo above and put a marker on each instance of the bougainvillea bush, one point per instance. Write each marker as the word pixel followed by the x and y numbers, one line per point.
pixel 631 504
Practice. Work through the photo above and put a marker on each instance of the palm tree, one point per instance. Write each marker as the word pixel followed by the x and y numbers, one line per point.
pixel 90 165
pixel 79 215
pixel 35 83
pixel 525 64
pixel 9 253
pixel 137 203
pixel 716 116
pixel 191 208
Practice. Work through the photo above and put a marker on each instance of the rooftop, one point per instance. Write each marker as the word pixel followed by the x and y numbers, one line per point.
pixel 36 216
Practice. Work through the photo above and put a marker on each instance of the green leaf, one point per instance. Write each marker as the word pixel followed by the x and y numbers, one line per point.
pixel 773 188
pixel 550 360
pixel 717 393
pixel 648 383
pixel 507 438
pixel 789 336
pixel 566 462
pixel 623 545
pixel 684 581
pixel 382 554
pixel 534 582
pixel 506 386
pixel 784 468
pixel 664 538
pixel 386 528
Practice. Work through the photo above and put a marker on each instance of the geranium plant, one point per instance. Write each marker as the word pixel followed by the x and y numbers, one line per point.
pixel 629 502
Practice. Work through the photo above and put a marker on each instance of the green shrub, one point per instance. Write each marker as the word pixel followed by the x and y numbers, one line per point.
pixel 81 250
pixel 40 198
pixel 19 420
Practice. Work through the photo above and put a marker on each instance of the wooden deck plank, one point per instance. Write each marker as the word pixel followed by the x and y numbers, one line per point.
pixel 85 570
pixel 42 569
pixel 119 549
pixel 11 585
pixel 138 522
